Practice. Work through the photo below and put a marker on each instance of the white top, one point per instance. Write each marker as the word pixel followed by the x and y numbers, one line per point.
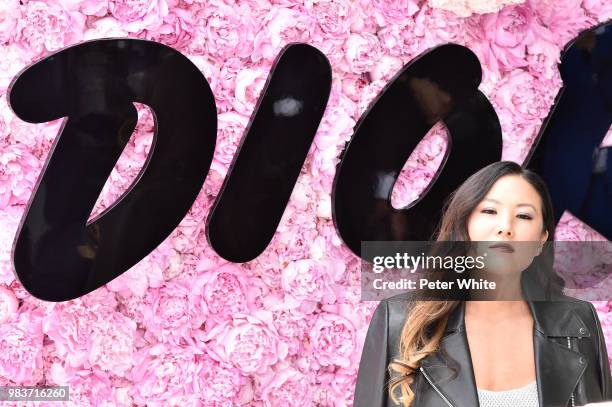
pixel 526 396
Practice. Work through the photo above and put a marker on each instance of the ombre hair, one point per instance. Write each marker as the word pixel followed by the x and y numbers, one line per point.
pixel 426 320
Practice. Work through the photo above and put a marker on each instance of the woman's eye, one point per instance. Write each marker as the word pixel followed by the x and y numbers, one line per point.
pixel 492 211
pixel 524 216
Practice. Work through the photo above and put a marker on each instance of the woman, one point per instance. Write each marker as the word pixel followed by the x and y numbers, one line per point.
pixel 521 353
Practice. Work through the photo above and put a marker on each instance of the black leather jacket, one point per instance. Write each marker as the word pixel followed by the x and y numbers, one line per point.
pixel 572 366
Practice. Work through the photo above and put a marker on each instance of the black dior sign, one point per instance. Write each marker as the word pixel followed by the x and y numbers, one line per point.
pixel 58 255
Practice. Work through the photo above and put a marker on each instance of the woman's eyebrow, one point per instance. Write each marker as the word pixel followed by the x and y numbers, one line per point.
pixel 521 204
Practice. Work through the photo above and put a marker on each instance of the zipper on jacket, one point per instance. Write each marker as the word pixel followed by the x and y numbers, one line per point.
pixel 569 346
pixel 448 403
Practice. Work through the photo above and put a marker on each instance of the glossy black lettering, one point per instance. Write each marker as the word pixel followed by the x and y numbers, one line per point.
pixel 442 84
pixel 58 255
pixel 265 169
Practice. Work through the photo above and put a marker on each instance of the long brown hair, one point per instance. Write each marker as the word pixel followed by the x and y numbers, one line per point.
pixel 426 321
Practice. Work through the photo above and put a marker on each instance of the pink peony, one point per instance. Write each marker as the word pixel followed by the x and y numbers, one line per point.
pixel 225 291
pixel 465 8
pixel 250 343
pixel 45 26
pixel 391 12
pixel 21 344
pixel 223 31
pixel 177 31
pixel 332 340
pixel 10 13
pixel 8 305
pixel 137 15
pixel 333 16
pixel 287 387
pixel 307 282
pixel 97 8
pixel 165 374
pixel 362 51
pixel 170 315
pixel 18 172
pixel 220 384
pixel 231 130
pixel 281 27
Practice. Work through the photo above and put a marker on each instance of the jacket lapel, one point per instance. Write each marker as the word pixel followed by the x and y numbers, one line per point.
pixel 558 368
pixel 454 376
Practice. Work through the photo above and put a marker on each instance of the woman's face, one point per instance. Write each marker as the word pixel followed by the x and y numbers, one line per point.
pixel 511 213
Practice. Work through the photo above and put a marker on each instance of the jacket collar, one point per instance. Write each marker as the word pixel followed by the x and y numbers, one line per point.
pixel 558 368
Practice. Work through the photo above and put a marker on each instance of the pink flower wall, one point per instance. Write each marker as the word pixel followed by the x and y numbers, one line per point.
pixel 184 327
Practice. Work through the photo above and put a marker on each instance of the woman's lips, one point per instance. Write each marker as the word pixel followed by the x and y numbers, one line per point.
pixel 502 247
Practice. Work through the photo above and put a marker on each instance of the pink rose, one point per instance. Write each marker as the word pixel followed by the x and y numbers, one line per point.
pixel 250 343
pixel 21 346
pixel 361 52
pixel 45 26
pixel 332 340
pixel 8 305
pixel 136 15
pixel 286 387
